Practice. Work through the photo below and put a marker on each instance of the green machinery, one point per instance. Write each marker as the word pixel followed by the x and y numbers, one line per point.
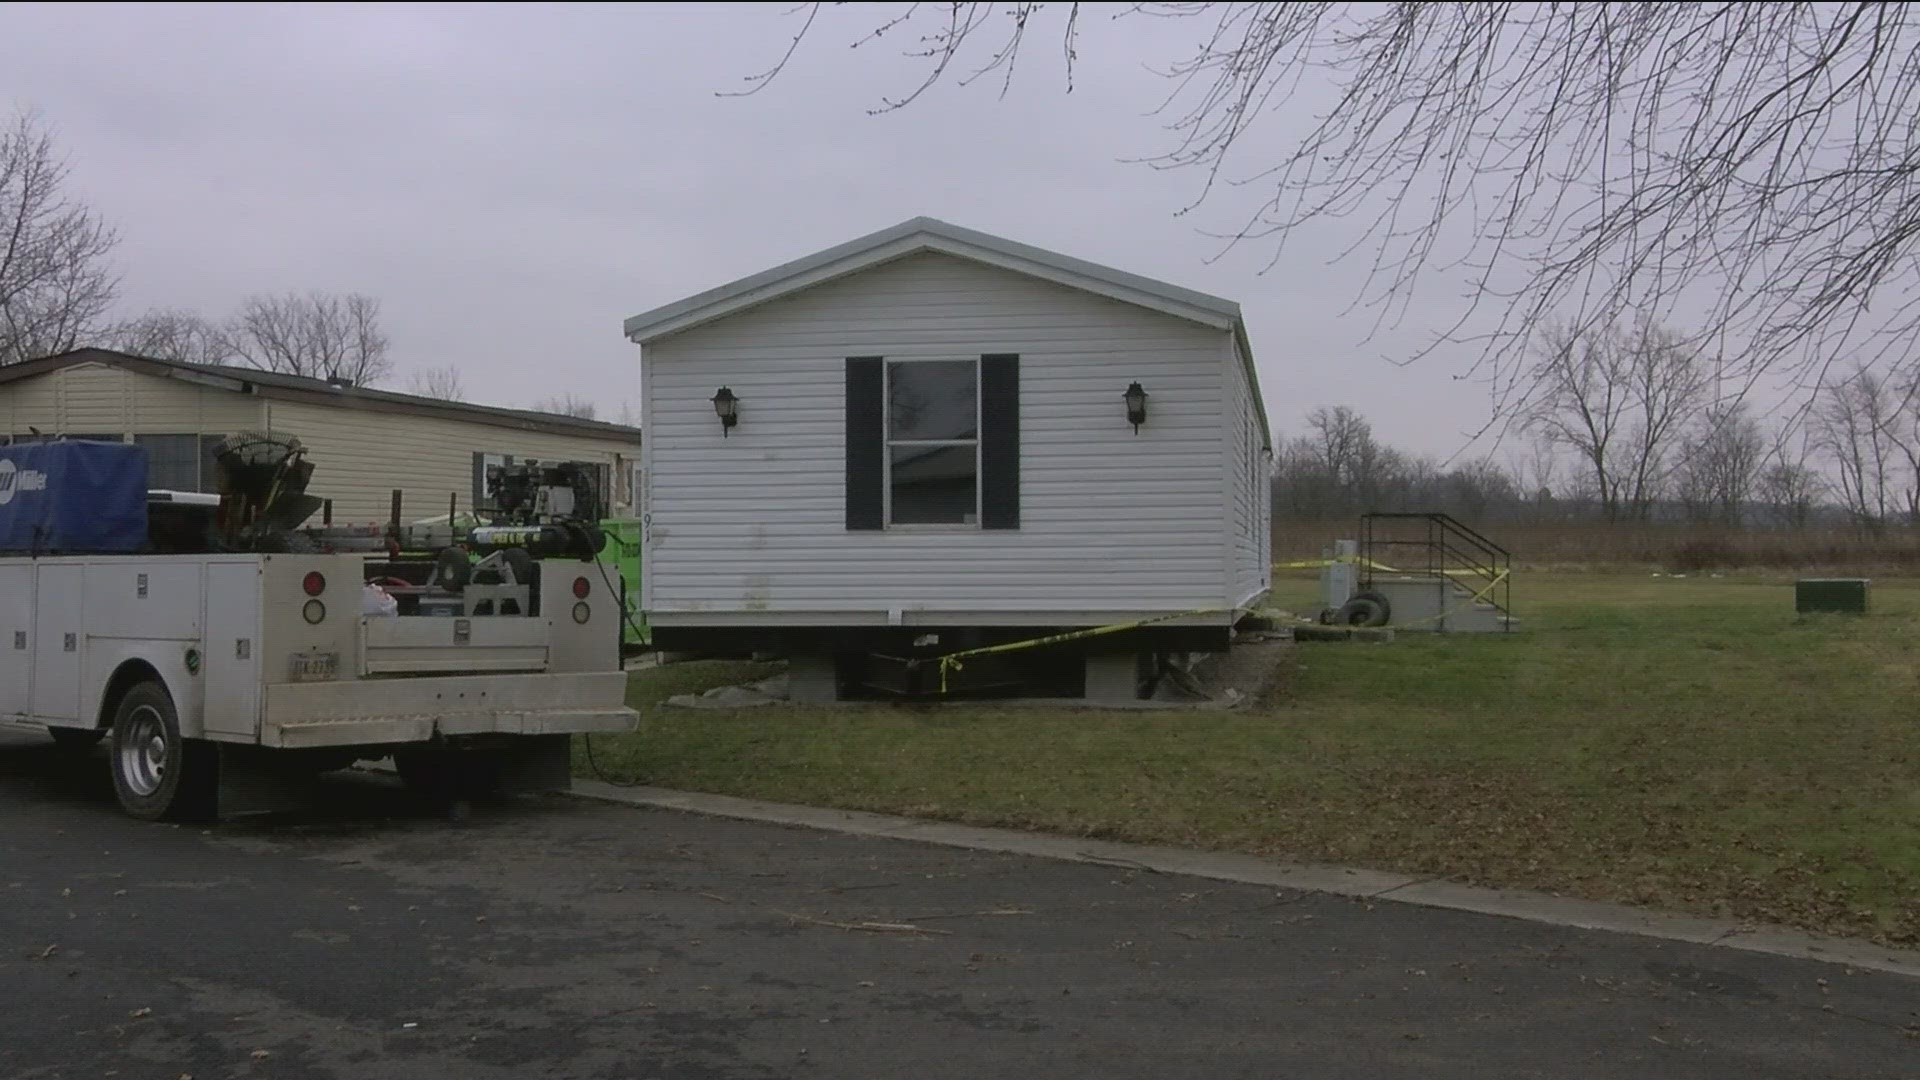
pixel 620 554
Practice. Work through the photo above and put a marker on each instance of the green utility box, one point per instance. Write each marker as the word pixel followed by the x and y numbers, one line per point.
pixel 621 553
pixel 1843 596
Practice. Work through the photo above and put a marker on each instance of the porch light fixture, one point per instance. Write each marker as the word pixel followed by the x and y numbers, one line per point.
pixel 727 408
pixel 1136 398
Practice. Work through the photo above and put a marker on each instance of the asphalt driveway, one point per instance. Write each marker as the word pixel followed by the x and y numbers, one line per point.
pixel 370 938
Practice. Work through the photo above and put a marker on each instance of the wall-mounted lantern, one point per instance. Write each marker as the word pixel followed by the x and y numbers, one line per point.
pixel 1136 398
pixel 727 408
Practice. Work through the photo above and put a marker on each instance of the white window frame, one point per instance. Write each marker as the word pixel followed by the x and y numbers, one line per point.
pixel 888 442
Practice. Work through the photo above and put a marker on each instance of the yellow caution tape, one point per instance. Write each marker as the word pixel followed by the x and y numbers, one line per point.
pixel 1315 564
pixel 951 661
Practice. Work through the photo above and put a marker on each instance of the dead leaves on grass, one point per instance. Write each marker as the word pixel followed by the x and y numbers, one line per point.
pixel 1506 829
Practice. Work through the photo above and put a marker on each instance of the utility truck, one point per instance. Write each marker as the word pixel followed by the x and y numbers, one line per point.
pixel 223 647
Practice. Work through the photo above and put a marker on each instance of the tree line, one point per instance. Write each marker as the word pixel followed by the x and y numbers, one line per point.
pixel 1635 424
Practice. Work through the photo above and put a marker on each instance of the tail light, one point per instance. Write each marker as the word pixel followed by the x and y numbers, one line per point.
pixel 581 587
pixel 314 583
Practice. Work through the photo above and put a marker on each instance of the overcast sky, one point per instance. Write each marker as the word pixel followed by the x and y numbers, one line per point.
pixel 513 182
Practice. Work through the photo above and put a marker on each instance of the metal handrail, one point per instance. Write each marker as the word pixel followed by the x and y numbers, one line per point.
pixel 1451 545
pixel 1449 521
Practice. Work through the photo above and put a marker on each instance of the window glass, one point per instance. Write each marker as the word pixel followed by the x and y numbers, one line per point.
pixel 933 444
pixel 173 461
pixel 210 463
pixel 935 485
pixel 933 400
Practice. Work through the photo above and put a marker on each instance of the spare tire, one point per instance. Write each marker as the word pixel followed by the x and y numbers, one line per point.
pixel 520 561
pixel 1366 609
pixel 451 569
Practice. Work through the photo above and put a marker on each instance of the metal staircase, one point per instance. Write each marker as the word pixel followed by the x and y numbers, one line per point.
pixel 1436 572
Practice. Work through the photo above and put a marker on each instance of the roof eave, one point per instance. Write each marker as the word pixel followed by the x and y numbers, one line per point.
pixel 913 237
pixel 350 397
pixel 1245 349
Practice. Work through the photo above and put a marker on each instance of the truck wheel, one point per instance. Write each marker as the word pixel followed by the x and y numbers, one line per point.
pixel 76 740
pixel 156 773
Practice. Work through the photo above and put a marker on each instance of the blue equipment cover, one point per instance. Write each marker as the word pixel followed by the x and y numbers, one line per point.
pixel 73 498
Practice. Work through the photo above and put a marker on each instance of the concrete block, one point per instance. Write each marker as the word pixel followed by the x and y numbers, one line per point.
pixel 812 680
pixel 1113 677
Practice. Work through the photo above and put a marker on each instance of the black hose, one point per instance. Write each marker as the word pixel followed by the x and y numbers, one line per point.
pixel 626 618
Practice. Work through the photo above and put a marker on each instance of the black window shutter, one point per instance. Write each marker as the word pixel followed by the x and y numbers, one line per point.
pixel 479 482
pixel 866 442
pixel 1000 441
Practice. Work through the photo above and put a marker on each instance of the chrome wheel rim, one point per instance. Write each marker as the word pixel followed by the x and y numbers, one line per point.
pixel 143 751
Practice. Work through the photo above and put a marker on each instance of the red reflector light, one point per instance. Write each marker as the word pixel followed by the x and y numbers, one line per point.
pixel 314 583
pixel 581 588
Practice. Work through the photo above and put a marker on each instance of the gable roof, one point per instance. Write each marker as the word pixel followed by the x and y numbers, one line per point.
pixel 279 386
pixel 924 234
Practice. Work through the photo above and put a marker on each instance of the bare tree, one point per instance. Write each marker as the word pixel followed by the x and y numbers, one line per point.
pixel 320 335
pixel 1904 432
pixel 1474 488
pixel 1539 473
pixel 567 405
pixel 1789 487
pixel 1750 168
pixel 55 281
pixel 1344 441
pixel 1721 463
pixel 172 335
pixel 1583 407
pixel 1619 400
pixel 441 382
pixel 1667 382
pixel 1853 424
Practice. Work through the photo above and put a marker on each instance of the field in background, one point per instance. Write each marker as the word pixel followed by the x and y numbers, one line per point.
pixel 1679 548
pixel 1685 744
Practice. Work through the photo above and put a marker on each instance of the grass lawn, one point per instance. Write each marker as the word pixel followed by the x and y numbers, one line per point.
pixel 1682 743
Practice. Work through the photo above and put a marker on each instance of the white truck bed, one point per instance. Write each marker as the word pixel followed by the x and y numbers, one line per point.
pixel 248 658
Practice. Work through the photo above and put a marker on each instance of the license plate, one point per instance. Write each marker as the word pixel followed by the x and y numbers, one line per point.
pixel 315 666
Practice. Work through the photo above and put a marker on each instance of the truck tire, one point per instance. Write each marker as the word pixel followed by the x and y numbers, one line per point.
pixel 74 739
pixel 1366 609
pixel 157 774
pixel 451 569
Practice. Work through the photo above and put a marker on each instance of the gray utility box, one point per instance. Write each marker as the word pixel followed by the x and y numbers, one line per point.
pixel 1844 596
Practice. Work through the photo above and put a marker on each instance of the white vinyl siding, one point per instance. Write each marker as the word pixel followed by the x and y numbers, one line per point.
pixel 1110 521
pixel 1249 478
pixel 100 399
pixel 360 456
